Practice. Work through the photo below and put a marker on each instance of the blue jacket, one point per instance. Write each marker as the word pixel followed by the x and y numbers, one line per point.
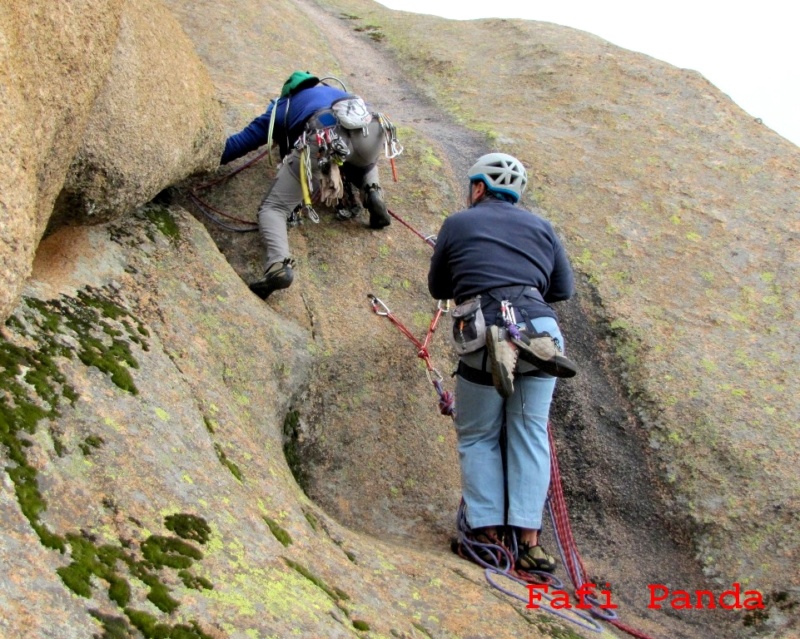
pixel 301 106
pixel 496 244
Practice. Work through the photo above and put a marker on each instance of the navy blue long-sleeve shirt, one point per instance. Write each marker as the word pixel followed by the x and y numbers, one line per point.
pixel 301 107
pixel 496 244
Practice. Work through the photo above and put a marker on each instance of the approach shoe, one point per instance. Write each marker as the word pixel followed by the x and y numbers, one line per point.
pixel 534 558
pixel 277 276
pixel 373 202
pixel 543 351
pixel 503 359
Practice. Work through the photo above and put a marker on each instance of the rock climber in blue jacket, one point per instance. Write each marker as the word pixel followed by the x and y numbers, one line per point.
pixel 304 99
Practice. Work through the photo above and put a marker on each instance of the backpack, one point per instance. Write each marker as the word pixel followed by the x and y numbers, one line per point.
pixel 352 112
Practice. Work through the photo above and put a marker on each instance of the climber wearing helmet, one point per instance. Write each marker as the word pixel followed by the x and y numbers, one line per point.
pixel 511 261
pixel 302 118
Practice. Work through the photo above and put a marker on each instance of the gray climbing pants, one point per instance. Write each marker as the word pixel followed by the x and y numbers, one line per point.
pixel 286 193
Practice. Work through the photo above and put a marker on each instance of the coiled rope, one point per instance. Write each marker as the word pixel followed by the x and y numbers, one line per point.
pixel 498 561
pixel 568 548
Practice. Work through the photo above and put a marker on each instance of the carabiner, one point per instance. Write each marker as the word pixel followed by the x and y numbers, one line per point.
pixel 375 303
pixel 433 375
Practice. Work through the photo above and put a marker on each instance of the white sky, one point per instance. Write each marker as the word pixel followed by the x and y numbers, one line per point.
pixel 749 50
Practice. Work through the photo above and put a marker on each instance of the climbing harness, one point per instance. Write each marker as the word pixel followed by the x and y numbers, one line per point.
pixel 500 558
pixel 446 398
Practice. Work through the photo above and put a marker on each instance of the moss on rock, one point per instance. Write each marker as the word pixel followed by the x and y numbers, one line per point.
pixel 33 387
pixel 189 527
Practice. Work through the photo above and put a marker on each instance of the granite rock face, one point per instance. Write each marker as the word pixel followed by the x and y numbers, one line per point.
pixel 104 105
pixel 155 121
pixel 183 459
pixel 146 393
pixel 54 62
pixel 680 211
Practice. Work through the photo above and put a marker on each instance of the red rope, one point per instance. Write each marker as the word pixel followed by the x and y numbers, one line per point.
pixel 446 399
pixel 573 563
pixel 228 176
pixel 630 630
pixel 202 204
pixel 428 239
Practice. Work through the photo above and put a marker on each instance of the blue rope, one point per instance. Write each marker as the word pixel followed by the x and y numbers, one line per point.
pixel 583 620
pixel 447 401
pixel 503 562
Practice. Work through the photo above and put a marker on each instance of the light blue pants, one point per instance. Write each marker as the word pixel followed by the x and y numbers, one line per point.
pixel 480 415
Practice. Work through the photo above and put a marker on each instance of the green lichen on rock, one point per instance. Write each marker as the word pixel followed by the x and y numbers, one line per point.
pixel 312 520
pixel 194 582
pixel 291 448
pixel 113 627
pixel 280 534
pixel 148 625
pixel 92 441
pixel 169 552
pixel 88 561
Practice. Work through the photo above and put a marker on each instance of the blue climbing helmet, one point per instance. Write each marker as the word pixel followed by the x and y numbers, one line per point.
pixel 298 81
pixel 501 173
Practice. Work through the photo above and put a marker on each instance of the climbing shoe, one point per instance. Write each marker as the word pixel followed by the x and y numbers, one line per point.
pixel 503 359
pixel 373 202
pixel 534 558
pixel 277 276
pixel 543 351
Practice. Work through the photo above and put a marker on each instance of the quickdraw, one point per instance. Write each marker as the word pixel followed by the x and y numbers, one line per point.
pixel 446 398
pixel 391 145
pixel 306 178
